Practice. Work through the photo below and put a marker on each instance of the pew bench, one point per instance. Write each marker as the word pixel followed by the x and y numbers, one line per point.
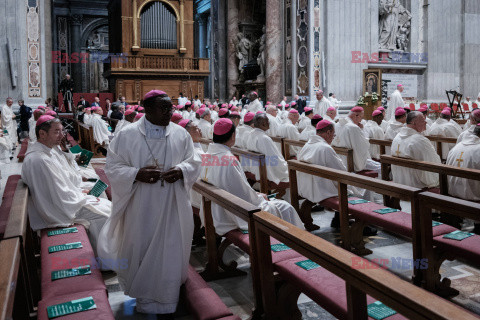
pixel 86 139
pixel 202 301
pixel 335 283
pixel 7 200
pixel 23 150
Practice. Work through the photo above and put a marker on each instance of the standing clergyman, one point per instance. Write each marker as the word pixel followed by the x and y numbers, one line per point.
pixel 151 166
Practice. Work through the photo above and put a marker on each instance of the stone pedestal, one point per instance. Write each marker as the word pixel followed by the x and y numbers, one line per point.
pixel 232 30
pixel 273 60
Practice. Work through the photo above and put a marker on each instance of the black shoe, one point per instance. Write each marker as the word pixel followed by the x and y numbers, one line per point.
pixel 317 207
pixel 369 231
pixel 335 221
pixel 476 230
pixel 311 227
pixel 169 316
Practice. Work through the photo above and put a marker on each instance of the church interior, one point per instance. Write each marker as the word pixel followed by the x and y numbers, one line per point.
pixel 239 159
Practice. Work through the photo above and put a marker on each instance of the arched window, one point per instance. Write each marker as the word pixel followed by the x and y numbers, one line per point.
pixel 158 26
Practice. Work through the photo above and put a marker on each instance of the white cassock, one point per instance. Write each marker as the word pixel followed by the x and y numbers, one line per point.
pixel 151 225
pixel 351 136
pixel 207 129
pixel 412 145
pixel 326 117
pixel 465 134
pixel 466 154
pixel 9 123
pixel 373 131
pixel 100 129
pixel 185 114
pixel 396 101
pixel 242 134
pixel 5 150
pixel 334 101
pixel 277 167
pixel 55 201
pixel 31 131
pixel 72 170
pixel 393 129
pixel 197 103
pixel 255 106
pixel 283 103
pixel 316 189
pixel 234 102
pixel 308 132
pixel 444 128
pixel 182 100
pixel 195 197
pixel 384 125
pixel 87 119
pixel 274 126
pixel 120 125
pixel 455 123
pixel 304 122
pixel 214 115
pixel 290 131
pixel 321 106
pixel 231 178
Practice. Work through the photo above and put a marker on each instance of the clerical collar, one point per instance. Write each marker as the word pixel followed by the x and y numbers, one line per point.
pixel 153 131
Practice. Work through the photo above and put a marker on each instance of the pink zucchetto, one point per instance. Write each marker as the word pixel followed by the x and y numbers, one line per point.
pixel 230 106
pixel 176 117
pixel 293 111
pixel 423 109
pixel 183 123
pixel 400 86
pixel 381 109
pixel 43 119
pixel 260 112
pixel 153 94
pixel 255 93
pixel 222 111
pixel 279 105
pixel 234 109
pixel 331 109
pixel 203 106
pixel 38 110
pixel 41 107
pixel 234 113
pixel 400 112
pixel 307 109
pixel 376 113
pixel 447 112
pixel 357 109
pixel 51 113
pixel 188 103
pixel 201 111
pixel 322 124
pixel 141 108
pixel 127 107
pixel 317 116
pixel 139 115
pixel 224 105
pixel 129 111
pixel 293 104
pixel 248 117
pixel 222 126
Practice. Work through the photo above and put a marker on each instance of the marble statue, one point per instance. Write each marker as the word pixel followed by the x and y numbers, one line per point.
pixel 394 26
pixel 261 55
pixel 243 47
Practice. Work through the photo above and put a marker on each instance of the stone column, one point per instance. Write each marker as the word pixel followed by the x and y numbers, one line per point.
pixel 76 28
pixel 273 61
pixel 201 37
pixel 232 65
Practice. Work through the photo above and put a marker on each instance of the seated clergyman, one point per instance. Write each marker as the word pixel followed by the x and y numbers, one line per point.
pixel 230 177
pixel 55 200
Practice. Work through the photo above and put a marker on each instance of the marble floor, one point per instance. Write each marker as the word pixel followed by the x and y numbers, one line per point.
pixel 236 292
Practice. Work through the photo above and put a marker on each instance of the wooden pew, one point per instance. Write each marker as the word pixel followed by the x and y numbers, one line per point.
pixel 438 249
pixel 18 227
pixel 382 144
pixel 279 140
pixel 437 140
pixel 348 153
pixel 251 156
pixel 241 209
pixel 352 236
pixel 86 139
pixel 408 300
pixel 14 295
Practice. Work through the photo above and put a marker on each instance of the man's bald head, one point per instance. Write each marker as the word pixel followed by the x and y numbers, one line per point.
pixel 475 117
pixel 260 121
pixel 271 109
pixel 416 120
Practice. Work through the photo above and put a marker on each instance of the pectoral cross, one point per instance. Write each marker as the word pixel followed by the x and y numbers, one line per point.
pixel 398 151
pixel 205 178
pixel 460 160
pixel 160 167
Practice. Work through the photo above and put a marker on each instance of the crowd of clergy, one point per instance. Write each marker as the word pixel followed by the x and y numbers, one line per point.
pixel 154 157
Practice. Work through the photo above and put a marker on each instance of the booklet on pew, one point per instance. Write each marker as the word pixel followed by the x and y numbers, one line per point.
pixel 458 235
pixel 279 247
pixel 307 264
pixel 85 157
pixel 62 231
pixel 358 201
pixel 66 246
pixel 379 311
pixel 68 273
pixel 98 188
pixel 70 307
pixel 76 149
pixel 386 210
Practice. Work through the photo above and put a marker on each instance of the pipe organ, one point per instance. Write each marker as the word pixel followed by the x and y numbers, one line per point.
pixel 156 40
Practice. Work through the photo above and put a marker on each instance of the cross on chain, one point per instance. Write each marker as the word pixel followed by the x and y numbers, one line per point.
pixel 398 151
pixel 460 160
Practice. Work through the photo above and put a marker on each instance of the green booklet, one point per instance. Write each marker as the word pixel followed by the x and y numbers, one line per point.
pixel 70 307
pixel 62 231
pixel 85 157
pixel 436 223
pixel 379 311
pixel 66 246
pixel 272 196
pixel 386 210
pixel 358 201
pixel 98 188
pixel 458 235
pixel 279 247
pixel 307 264
pixel 68 273
pixel 76 149
pixel 244 231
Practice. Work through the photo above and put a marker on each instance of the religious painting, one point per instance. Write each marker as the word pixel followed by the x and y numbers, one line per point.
pixel 372 81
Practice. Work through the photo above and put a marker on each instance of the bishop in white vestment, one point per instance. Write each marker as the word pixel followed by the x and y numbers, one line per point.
pixel 373 131
pixel 8 122
pixel 395 102
pixel 444 127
